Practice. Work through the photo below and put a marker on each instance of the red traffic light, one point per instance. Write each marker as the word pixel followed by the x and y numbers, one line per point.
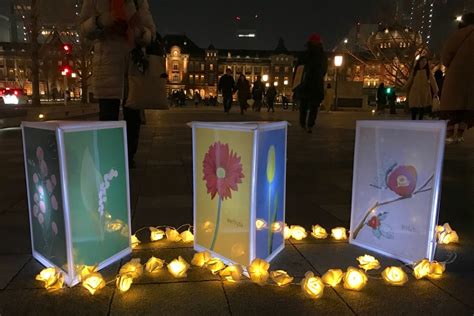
pixel 67 48
pixel 66 70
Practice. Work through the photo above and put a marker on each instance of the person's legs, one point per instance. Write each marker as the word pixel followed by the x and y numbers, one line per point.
pixel 313 113
pixel 133 119
pixel 109 109
pixel 414 112
pixel 421 113
pixel 303 113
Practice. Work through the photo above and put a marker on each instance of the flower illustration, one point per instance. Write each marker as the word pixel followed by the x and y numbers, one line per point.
pixel 374 222
pixel 222 171
pixel 379 229
pixel 103 187
pixel 402 180
pixel 39 153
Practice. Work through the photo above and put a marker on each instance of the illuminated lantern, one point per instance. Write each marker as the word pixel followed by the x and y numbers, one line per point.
pixel 154 265
pixel 200 259
pixel 258 271
pixel 287 232
pixel 319 232
pixel 124 282
pixel 236 165
pixel 133 267
pixel 178 267
pixel 298 232
pixel 367 263
pixel 280 277
pixel 84 271
pixel 339 233
pixel 312 286
pixel 231 273
pixel 93 282
pixel 260 224
pixel 394 276
pixel 187 236
pixel 333 277
pixel 354 279
pixel 172 234
pixel 156 234
pixel 421 269
pixel 134 241
pixel 436 270
pixel 78 197
pixel 52 278
pixel 215 265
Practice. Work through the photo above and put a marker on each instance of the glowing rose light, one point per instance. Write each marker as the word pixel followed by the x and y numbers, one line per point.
pixel 93 282
pixel 260 224
pixel 332 277
pixel 394 276
pixel 421 269
pixel 154 265
pixel 156 234
pixel 446 235
pixel 187 236
pixel 281 278
pixel 200 259
pixel 208 227
pixel 52 278
pixel 172 234
pixel 298 232
pixel 84 271
pixel 312 286
pixel 436 270
pixel 339 233
pixel 319 232
pixel 258 271
pixel 286 232
pixel 133 267
pixel 354 279
pixel 134 241
pixel 178 267
pixel 114 226
pixel 367 263
pixel 232 273
pixel 124 282
pixel 277 227
pixel 402 180
pixel 215 265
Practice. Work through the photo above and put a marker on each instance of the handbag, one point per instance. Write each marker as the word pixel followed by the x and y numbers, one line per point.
pixel 147 80
pixel 298 76
pixel 250 102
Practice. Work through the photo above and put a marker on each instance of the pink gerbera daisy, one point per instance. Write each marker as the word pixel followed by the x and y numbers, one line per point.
pixel 222 171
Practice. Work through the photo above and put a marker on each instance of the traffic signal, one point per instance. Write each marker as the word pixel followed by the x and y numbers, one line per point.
pixel 389 90
pixel 66 71
pixel 67 48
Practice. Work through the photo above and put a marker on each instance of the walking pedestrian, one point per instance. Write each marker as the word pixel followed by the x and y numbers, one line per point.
pixel 439 77
pixel 329 97
pixel 381 98
pixel 258 90
pixel 457 100
pixel 310 92
pixel 226 86
pixel 243 92
pixel 271 96
pixel 196 98
pixel 421 89
pixel 285 101
pixel 116 27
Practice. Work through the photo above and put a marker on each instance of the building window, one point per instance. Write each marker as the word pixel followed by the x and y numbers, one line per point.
pixel 277 68
pixel 276 79
pixel 287 69
pixel 202 78
pixel 191 79
pixel 175 78
pixel 211 67
pixel 203 67
pixel 175 66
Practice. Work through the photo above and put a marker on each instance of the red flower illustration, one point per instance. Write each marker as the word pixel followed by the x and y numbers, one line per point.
pixel 402 180
pixel 222 171
pixel 374 222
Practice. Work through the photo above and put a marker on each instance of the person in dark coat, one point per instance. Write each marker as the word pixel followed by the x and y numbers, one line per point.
pixel 271 96
pixel 439 78
pixel 226 86
pixel 310 92
pixel 258 90
pixel 243 92
pixel 381 98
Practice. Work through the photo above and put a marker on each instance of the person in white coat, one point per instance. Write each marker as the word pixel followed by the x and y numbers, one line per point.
pixel 116 27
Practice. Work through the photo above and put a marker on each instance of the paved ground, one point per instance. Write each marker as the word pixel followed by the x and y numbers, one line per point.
pixel 318 191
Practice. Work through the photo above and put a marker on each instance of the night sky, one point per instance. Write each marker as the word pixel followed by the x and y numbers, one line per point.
pixel 213 21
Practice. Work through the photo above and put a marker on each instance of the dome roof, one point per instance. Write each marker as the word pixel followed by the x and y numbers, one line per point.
pixel 394 36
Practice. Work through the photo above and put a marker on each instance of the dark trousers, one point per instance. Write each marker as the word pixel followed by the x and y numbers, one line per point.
pixel 312 108
pixel 417 112
pixel 109 110
pixel 271 104
pixel 227 102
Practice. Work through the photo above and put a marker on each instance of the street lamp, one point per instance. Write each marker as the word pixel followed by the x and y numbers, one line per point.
pixel 459 18
pixel 265 78
pixel 275 83
pixel 338 59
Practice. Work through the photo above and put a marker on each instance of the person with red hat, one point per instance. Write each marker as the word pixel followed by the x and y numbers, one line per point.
pixel 310 92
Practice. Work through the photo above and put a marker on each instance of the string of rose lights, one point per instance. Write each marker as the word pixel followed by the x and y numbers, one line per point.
pixel 258 271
